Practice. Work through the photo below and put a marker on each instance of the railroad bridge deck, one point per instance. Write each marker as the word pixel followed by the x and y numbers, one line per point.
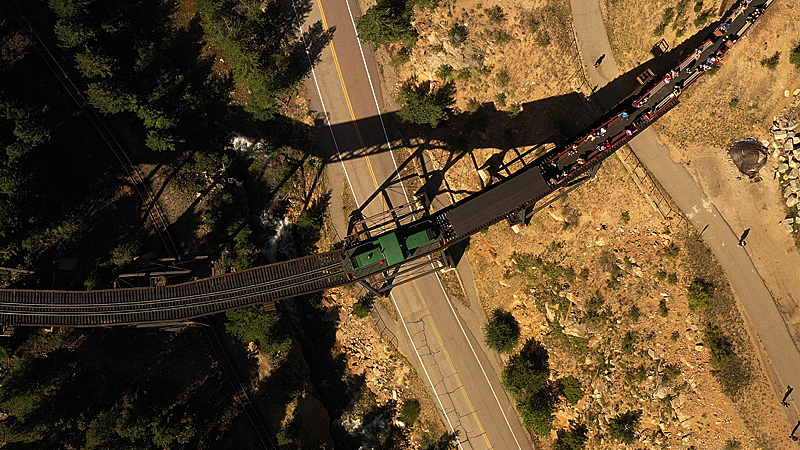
pixel 180 302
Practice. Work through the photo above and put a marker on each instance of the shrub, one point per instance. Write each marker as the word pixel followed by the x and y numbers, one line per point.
pixel 536 411
pixel 699 295
pixel 409 412
pixel 625 217
pixel 423 104
pixel 732 444
pixel 570 388
pixel 503 78
pixel 794 56
pixel 698 6
pixel 771 63
pixel 624 426
pixel 445 72
pixel 473 104
pixel 501 334
pixel 734 103
pixel 495 14
pixel 729 368
pixel 458 35
pixel 634 313
pixel 663 311
pixel 573 438
pixel 401 57
pixel 671 251
pixel 362 308
pixel 628 341
pixel 499 36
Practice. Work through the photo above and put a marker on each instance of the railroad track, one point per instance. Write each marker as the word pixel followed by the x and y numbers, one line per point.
pixel 263 284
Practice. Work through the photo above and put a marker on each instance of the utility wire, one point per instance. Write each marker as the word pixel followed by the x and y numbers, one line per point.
pixel 119 152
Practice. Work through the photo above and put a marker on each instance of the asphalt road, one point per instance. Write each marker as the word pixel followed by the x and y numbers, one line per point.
pixel 436 334
pixel 747 284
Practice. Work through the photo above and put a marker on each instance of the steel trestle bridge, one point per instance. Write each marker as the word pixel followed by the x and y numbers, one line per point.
pixel 510 199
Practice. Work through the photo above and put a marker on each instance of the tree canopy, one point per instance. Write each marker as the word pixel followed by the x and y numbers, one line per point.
pixel 424 103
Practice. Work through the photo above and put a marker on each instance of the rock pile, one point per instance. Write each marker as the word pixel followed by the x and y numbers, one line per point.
pixel 786 149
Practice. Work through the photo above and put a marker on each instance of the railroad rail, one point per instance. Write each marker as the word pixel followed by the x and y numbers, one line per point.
pixel 180 302
pixel 361 259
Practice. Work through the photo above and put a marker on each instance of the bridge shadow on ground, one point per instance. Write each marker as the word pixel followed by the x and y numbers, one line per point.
pixel 554 120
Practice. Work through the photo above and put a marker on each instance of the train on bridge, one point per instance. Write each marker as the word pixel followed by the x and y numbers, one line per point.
pixel 360 259
pixel 559 167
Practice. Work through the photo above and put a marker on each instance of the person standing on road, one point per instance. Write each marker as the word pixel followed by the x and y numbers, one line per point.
pixel 599 60
pixel 742 242
pixel 789 390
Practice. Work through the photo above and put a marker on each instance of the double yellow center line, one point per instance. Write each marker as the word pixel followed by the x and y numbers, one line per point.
pixel 375 182
pixel 349 105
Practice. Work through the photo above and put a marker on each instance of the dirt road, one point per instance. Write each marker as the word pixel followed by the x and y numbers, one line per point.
pixel 746 283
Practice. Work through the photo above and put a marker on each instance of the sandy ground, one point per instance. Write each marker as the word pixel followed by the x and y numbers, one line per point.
pixel 740 101
pixel 703 415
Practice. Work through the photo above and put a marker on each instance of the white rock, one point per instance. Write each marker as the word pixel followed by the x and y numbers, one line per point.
pixel 788 191
pixel 796 140
pixel 699 346
pixel 794 173
pixel 792 163
pixel 786 93
pixel 779 135
pixel 795 185
pixel 764 142
pixel 789 220
pixel 788 146
pixel 796 92
pixel 788 227
pixel 792 200
pixel 783 168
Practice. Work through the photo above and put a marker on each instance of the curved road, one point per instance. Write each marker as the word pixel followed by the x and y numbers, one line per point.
pixel 435 333
pixel 763 314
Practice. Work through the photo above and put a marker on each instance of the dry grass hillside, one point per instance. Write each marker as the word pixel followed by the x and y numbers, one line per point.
pixel 603 285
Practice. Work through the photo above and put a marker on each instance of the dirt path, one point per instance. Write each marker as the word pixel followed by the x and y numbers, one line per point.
pixel 745 280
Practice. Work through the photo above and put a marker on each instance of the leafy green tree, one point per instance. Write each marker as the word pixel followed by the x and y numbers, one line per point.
pixel 387 22
pixel 93 64
pixel 623 427
pixel 265 328
pixel 256 44
pixel 537 412
pixel 570 388
pixel 425 104
pixel 526 372
pixel 110 98
pixel 573 438
pixel 501 334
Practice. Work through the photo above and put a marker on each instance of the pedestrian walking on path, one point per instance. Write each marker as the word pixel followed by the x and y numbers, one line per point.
pixel 599 60
pixel 742 242
pixel 789 390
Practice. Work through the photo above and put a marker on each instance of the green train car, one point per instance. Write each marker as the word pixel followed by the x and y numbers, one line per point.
pixel 392 248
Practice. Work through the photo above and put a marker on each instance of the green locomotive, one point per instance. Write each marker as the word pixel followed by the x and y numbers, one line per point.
pixel 392 248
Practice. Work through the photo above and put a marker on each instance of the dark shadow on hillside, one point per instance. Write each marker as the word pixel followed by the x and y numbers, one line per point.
pixel 554 119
